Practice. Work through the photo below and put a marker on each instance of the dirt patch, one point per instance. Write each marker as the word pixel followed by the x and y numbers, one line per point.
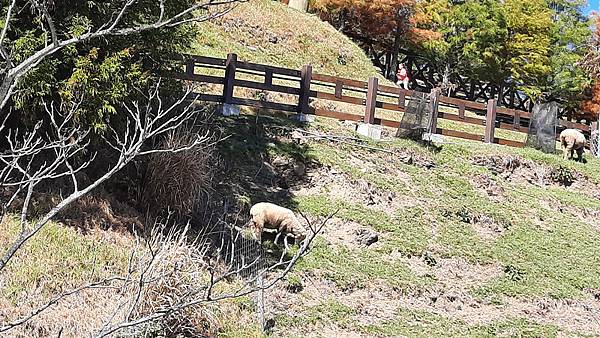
pixel 450 297
pixel 485 184
pixel 587 215
pixel 347 233
pixel 520 171
pixel 487 228
pixel 340 186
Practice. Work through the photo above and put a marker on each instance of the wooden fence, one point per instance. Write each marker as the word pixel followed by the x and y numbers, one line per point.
pixel 369 96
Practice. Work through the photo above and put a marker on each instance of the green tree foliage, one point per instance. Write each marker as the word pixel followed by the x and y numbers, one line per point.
pixel 473 38
pixel 533 44
pixel 569 35
pixel 105 72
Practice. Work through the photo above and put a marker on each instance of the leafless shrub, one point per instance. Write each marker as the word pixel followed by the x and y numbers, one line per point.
pixel 179 181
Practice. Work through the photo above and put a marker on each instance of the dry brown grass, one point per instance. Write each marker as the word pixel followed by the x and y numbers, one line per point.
pixel 179 181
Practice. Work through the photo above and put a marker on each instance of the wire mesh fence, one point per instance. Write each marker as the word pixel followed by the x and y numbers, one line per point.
pixel 249 259
pixel 542 127
pixel 595 143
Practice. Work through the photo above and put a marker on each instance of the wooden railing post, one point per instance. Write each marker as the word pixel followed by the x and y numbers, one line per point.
pixel 371 100
pixel 490 121
pixel 434 106
pixel 305 79
pixel 190 66
pixel 594 146
pixel 230 66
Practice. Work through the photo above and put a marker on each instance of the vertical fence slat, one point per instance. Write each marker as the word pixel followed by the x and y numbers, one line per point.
pixel 230 66
pixel 434 107
pixel 305 79
pixel 338 89
pixel 402 98
pixel 190 66
pixel 371 100
pixel 517 119
pixel 461 110
pixel 490 121
pixel 269 77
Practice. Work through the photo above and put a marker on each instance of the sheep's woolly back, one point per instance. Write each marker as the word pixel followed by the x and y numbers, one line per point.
pixel 572 136
pixel 276 217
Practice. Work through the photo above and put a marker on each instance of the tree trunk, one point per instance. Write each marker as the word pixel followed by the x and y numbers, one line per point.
pixel 388 65
pixel 396 49
pixel 446 79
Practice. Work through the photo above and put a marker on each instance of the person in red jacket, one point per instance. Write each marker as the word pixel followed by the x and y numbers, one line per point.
pixel 402 76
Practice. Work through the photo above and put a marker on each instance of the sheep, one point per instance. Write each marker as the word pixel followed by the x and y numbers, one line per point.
pixel 271 216
pixel 572 139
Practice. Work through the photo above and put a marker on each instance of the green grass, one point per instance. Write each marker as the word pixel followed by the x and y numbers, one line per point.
pixel 414 323
pixel 250 31
pixel 554 261
pixel 355 268
pixel 58 258
pixel 326 312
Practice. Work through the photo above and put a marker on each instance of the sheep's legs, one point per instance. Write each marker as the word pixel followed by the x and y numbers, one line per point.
pixel 277 237
pixel 285 242
pixel 580 154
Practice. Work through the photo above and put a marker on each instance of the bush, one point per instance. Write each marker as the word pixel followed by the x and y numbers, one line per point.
pixel 179 181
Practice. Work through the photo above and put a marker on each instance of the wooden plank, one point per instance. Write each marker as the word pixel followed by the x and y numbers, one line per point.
pixel 194 77
pixel 457 118
pixel 269 77
pixel 574 125
pixel 389 106
pixel 517 120
pixel 371 100
pixel 511 126
pixel 387 123
pixel 490 121
pixel 304 100
pixel 228 84
pixel 459 134
pixel 510 143
pixel 262 86
pixel 402 98
pixel 468 104
pixel 513 112
pixel 332 97
pixel 274 69
pixel 190 66
pixel 338 115
pixel 434 102
pixel 333 79
pixel 395 90
pixel 205 59
pixel 338 89
pixel 266 105
pixel 205 97
pixel 461 110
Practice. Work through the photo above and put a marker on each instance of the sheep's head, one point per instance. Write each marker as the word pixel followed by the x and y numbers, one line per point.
pixel 250 229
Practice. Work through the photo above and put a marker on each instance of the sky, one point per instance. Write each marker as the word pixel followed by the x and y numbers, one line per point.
pixel 593 5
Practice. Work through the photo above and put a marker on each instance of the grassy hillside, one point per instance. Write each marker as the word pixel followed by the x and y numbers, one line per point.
pixel 267 32
pixel 489 241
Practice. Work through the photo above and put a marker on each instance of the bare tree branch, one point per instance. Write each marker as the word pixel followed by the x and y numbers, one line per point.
pixel 112 28
pixel 69 142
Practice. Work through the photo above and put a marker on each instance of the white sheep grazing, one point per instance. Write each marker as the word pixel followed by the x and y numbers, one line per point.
pixel 572 139
pixel 271 216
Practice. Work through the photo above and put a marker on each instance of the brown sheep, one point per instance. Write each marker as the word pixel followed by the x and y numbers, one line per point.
pixel 271 216
pixel 572 140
